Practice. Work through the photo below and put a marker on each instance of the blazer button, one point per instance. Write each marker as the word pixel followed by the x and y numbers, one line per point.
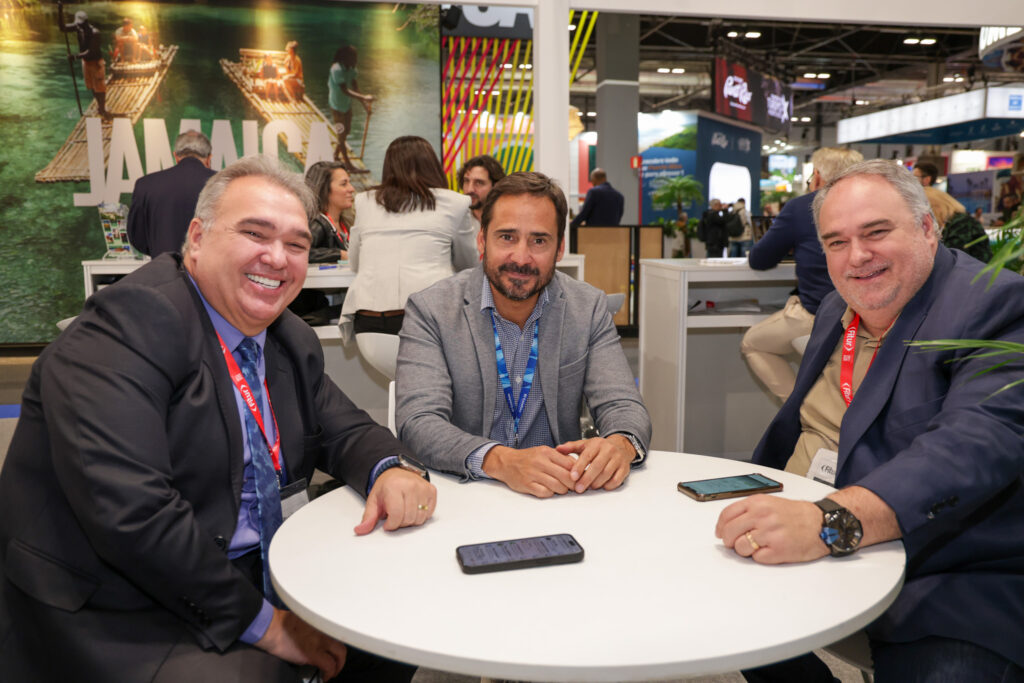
pixel 221 542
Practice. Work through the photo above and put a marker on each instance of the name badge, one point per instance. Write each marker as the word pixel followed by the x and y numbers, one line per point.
pixel 293 497
pixel 824 466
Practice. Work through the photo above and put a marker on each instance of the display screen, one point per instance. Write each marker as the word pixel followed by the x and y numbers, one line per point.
pixel 518 550
pixel 745 482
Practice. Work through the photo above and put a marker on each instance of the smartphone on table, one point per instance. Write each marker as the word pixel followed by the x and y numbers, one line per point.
pixel 728 487
pixel 519 553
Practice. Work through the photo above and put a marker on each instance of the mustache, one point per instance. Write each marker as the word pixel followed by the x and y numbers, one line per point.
pixel 518 270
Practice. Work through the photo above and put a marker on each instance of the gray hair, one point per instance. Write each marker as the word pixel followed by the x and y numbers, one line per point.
pixel 192 143
pixel 831 161
pixel 256 165
pixel 901 180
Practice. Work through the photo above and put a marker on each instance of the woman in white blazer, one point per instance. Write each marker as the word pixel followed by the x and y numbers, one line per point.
pixel 410 231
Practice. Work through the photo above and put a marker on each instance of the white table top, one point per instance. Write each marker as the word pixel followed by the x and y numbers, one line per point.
pixel 656 596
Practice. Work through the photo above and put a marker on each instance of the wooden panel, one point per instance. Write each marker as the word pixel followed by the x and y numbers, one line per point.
pixel 607 252
pixel 651 243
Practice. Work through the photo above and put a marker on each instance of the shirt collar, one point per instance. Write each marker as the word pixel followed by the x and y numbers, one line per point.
pixel 862 331
pixel 229 333
pixel 487 301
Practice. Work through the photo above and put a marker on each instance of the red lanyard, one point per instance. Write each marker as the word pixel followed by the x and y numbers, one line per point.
pixel 339 229
pixel 846 366
pixel 243 388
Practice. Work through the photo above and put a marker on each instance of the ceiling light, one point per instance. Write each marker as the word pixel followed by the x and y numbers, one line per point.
pixel 805 119
pixel 592 114
pixel 526 66
pixel 506 66
pixel 678 70
pixel 572 27
pixel 911 41
pixel 794 119
pixel 664 70
pixel 958 79
pixel 765 147
pixel 1022 133
pixel 928 41
pixel 862 102
pixel 752 34
pixel 732 34
pixel 824 75
pixel 947 79
pixel 810 75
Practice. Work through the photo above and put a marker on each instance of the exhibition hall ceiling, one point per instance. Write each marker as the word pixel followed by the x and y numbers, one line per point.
pixel 836 70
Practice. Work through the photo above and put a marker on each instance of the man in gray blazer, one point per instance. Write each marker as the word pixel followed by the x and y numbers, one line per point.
pixel 495 362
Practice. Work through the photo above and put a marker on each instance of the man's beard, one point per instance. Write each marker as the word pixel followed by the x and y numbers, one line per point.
pixel 513 292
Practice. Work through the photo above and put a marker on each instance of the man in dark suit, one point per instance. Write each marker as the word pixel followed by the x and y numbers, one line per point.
pixel 163 202
pixel 143 483
pixel 923 446
pixel 603 204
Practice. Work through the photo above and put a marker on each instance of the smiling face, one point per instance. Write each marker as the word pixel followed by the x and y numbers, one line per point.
pixel 520 248
pixel 878 254
pixel 476 183
pixel 251 262
pixel 341 194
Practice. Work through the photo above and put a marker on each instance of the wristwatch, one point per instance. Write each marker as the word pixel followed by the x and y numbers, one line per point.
pixel 407 464
pixel 641 452
pixel 841 531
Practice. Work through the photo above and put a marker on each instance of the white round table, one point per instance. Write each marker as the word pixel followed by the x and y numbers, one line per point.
pixel 656 596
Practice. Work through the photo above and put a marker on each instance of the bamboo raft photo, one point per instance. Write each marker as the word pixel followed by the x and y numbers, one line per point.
pixel 130 87
pixel 276 99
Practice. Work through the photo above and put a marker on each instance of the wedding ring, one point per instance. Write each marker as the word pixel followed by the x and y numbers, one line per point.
pixel 752 542
pixel 421 506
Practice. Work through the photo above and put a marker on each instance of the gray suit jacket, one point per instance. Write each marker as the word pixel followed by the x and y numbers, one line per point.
pixel 447 377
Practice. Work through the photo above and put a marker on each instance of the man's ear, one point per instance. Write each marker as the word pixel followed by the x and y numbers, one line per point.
pixel 194 236
pixel 480 242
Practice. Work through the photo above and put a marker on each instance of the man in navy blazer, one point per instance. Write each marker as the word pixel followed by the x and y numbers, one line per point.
pixel 603 204
pixel 128 546
pixel 163 202
pixel 921 445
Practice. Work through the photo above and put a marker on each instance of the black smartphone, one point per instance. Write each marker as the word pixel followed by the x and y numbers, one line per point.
pixel 729 487
pixel 519 553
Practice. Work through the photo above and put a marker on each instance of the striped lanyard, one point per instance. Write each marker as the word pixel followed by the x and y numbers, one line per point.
pixel 515 407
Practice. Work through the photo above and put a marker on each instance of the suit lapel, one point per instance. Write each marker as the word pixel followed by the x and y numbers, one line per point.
pixel 281 384
pixel 549 353
pixel 482 333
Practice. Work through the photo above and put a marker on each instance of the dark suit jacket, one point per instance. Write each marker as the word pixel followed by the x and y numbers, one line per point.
pixel 927 435
pixel 793 230
pixel 602 206
pixel 163 204
pixel 122 484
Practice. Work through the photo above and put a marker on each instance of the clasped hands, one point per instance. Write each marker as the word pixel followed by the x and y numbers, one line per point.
pixel 600 462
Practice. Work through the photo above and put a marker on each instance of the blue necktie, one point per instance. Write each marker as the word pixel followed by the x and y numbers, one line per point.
pixel 268 492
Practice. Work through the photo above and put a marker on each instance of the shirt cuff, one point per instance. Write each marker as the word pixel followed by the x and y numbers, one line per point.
pixel 475 460
pixel 383 464
pixel 258 628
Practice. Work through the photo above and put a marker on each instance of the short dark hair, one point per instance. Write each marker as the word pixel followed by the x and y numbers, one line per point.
pixel 929 169
pixel 411 173
pixel 531 183
pixel 493 167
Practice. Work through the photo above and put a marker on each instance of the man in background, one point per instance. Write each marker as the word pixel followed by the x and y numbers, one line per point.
pixel 495 362
pixel 476 178
pixel 926 173
pixel 767 344
pixel 603 204
pixel 164 202
pixel 713 229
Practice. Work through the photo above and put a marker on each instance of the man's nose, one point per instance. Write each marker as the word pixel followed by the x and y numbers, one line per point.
pixel 275 255
pixel 859 253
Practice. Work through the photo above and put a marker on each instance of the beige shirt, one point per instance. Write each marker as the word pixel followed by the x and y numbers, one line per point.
pixel 822 411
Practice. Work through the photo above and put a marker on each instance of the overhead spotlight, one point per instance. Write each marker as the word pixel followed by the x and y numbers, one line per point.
pixel 678 70
pixel 862 102
pixel 752 34
pixel 592 114
pixel 911 41
pixel 1022 133
pixel 572 27
pixel 947 79
pixel 732 34
pixel 506 66
pixel 765 147
pixel 794 119
pixel 527 67
pixel 958 79
pixel 824 75
pixel 805 119
pixel 928 41
pixel 810 74
pixel 664 70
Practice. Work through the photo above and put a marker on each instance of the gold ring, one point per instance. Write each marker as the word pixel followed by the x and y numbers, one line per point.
pixel 752 542
pixel 421 506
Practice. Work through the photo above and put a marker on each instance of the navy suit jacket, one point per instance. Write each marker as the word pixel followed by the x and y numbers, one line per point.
pixel 163 204
pixel 928 435
pixel 122 485
pixel 793 230
pixel 603 206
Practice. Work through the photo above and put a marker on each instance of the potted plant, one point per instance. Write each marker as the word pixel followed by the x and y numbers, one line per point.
pixel 679 192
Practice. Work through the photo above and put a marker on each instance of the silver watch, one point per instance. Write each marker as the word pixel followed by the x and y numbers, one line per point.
pixel 641 452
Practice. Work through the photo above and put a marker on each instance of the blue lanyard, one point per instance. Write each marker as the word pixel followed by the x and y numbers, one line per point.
pixel 506 384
